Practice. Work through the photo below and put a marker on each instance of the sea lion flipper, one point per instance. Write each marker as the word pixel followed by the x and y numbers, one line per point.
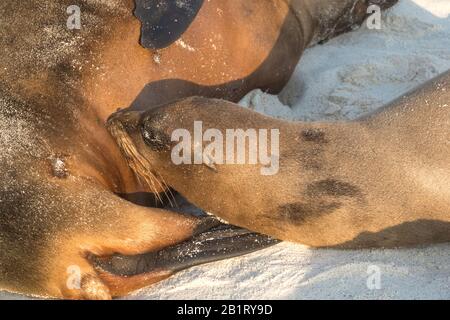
pixel 165 21
pixel 126 247
pixel 103 225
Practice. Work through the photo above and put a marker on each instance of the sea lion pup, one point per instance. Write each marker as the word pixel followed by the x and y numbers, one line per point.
pixel 62 172
pixel 379 181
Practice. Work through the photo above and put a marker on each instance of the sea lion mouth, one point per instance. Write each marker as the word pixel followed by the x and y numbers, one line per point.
pixel 217 243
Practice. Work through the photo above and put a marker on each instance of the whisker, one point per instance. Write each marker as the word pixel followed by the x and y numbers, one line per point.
pixel 169 191
pixel 139 164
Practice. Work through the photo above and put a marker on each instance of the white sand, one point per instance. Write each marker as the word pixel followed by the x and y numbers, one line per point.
pixel 347 77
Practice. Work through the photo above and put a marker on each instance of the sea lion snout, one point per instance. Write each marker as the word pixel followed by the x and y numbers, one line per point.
pixel 128 120
pixel 141 125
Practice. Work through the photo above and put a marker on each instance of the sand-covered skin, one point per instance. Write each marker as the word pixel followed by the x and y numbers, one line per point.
pixel 347 77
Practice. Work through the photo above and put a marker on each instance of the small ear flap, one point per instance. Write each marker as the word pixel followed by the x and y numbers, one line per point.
pixel 165 21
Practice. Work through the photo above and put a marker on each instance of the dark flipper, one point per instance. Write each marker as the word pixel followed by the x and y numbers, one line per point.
pixel 221 242
pixel 165 21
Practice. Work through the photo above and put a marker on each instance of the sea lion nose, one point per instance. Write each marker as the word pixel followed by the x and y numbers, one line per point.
pixel 127 119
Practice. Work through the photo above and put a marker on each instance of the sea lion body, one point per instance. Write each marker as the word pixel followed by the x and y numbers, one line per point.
pixel 379 181
pixel 62 171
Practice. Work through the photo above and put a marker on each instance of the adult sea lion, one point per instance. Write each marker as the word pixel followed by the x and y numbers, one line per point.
pixel 380 181
pixel 62 172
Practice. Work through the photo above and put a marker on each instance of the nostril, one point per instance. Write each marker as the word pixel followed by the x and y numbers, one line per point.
pixel 112 119
pixel 128 119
